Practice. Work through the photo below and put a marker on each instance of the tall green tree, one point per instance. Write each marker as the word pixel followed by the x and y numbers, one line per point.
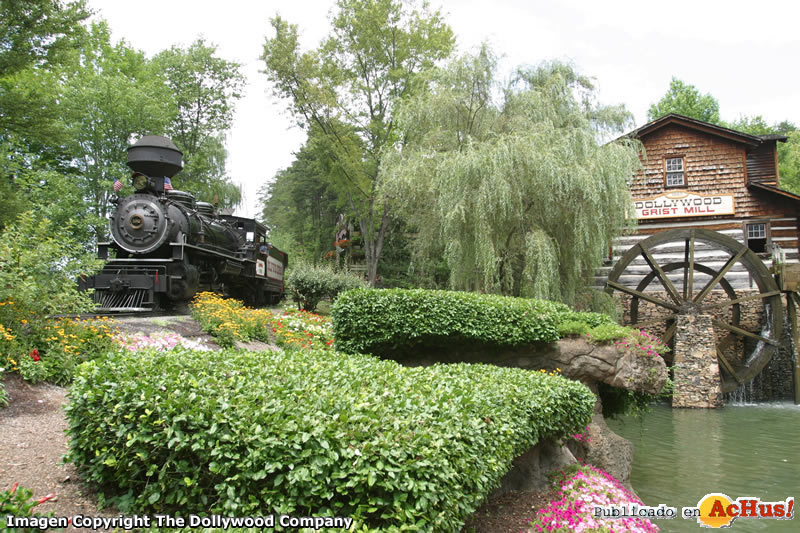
pixel 35 32
pixel 349 88
pixel 110 95
pixel 519 192
pixel 35 37
pixel 788 152
pixel 789 162
pixel 301 206
pixel 684 99
pixel 203 89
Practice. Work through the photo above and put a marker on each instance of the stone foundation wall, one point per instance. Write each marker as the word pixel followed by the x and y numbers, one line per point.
pixel 696 371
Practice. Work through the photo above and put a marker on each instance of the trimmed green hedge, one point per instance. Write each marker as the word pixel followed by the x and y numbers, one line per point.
pixel 377 321
pixel 310 433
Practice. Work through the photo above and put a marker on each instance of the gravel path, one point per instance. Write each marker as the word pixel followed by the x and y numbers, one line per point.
pixel 32 444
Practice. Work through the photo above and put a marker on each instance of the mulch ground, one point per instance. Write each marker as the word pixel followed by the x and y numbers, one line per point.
pixel 32 443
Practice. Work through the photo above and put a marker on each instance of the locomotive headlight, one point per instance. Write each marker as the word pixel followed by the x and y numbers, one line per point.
pixel 139 181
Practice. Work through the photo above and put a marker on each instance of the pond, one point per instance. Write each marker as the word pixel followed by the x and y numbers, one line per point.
pixel 680 455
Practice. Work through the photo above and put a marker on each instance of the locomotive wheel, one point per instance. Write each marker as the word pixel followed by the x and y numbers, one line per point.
pixel 684 299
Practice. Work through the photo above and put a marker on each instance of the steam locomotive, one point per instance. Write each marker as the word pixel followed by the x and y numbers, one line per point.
pixel 170 246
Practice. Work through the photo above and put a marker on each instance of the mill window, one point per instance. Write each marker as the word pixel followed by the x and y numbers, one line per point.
pixel 675 177
pixel 756 236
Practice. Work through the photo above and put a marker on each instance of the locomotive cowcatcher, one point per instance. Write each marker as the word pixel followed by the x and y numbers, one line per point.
pixel 168 246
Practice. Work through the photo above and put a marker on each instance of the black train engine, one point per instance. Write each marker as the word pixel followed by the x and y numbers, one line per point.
pixel 169 246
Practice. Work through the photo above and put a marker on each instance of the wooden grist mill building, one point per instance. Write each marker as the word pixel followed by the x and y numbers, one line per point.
pixel 712 220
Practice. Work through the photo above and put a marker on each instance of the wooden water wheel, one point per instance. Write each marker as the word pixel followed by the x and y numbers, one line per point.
pixel 688 284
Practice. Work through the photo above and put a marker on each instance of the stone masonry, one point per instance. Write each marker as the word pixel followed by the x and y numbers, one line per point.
pixel 696 370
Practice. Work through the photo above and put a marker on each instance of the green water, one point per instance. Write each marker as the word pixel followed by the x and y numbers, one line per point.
pixel 680 455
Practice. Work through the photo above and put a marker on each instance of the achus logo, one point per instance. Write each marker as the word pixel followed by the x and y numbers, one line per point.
pixel 717 510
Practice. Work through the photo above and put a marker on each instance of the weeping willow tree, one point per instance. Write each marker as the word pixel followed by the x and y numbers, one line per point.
pixel 513 185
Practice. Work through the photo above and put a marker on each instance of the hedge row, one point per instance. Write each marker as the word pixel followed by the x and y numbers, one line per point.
pixel 310 433
pixel 375 321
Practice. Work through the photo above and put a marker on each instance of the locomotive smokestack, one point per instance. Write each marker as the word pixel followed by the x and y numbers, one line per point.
pixel 154 155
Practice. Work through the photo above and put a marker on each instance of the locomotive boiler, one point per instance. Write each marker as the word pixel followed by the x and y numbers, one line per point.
pixel 167 246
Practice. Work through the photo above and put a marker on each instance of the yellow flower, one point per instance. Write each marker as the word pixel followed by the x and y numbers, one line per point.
pixel 24 321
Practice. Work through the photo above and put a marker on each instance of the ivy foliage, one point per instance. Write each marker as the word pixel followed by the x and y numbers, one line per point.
pixel 310 433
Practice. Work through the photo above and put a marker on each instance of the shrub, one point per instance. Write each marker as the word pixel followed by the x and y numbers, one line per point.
pixel 573 327
pixel 310 433
pixel 376 320
pixel 39 265
pixel 609 332
pixel 309 284
pixel 598 301
pixel 592 320
pixel 40 262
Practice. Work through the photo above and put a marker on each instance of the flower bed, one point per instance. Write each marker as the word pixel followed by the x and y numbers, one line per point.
pixel 310 432
pixel 51 350
pixel 157 341
pixel 580 489
pixel 229 320
pixel 302 329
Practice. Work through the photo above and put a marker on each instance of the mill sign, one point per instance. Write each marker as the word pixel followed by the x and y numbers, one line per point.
pixel 683 204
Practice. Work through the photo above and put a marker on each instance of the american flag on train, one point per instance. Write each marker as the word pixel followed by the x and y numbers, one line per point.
pixel 117 185
pixel 167 184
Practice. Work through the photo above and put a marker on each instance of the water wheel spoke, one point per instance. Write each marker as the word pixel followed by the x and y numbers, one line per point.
pixel 727 365
pixel 739 300
pixel 744 332
pixel 662 277
pixel 688 272
pixel 653 322
pixel 669 333
pixel 721 274
pixel 796 298
pixel 643 296
pixel 733 343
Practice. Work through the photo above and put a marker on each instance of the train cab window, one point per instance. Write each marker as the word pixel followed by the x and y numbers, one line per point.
pixel 756 237
pixel 249 236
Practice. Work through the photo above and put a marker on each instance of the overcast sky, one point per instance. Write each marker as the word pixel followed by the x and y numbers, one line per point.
pixel 744 53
